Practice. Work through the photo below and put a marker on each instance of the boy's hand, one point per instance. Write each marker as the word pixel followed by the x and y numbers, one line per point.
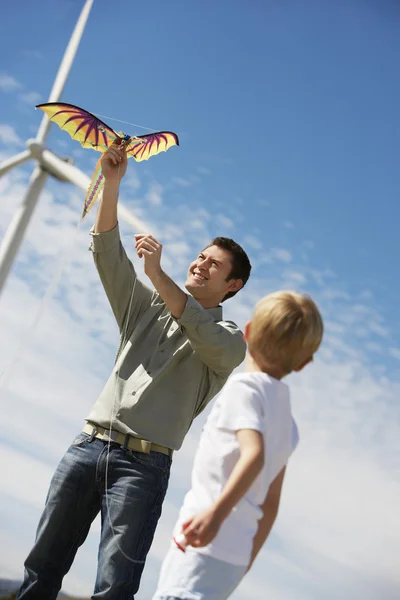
pixel 201 529
pixel 113 163
pixel 148 247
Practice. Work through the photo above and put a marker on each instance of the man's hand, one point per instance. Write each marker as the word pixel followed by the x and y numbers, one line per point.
pixel 113 163
pixel 201 529
pixel 148 247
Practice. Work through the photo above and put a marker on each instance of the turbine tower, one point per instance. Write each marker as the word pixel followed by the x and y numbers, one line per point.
pixel 48 163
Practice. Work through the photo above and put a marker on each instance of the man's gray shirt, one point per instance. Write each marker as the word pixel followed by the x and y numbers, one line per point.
pixel 167 369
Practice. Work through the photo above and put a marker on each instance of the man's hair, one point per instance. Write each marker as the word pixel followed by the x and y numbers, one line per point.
pixel 241 266
pixel 285 331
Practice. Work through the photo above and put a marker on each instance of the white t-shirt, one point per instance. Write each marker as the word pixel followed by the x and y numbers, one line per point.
pixel 251 400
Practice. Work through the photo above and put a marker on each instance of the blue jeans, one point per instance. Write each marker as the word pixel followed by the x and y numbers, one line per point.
pixel 136 484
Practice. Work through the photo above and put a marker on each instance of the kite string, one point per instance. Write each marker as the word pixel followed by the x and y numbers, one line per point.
pixel 112 415
pixel 32 328
pixel 126 122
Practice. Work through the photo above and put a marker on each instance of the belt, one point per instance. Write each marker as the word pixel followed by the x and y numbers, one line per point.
pixel 128 441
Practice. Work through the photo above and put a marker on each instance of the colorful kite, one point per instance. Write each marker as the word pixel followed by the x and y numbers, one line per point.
pixel 91 132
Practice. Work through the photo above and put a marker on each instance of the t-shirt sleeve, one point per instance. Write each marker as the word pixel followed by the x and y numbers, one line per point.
pixel 240 406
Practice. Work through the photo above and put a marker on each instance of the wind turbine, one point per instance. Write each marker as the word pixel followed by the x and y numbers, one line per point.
pixel 48 163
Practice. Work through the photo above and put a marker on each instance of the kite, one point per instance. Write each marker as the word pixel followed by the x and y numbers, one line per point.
pixel 91 132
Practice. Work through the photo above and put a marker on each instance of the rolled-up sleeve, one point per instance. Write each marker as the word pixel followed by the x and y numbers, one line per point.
pixel 125 292
pixel 219 344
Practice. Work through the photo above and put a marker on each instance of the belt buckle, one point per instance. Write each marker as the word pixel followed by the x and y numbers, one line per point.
pixel 146 446
pixel 110 438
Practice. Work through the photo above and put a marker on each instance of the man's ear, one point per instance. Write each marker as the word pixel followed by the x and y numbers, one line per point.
pixel 235 285
pixel 247 331
pixel 303 364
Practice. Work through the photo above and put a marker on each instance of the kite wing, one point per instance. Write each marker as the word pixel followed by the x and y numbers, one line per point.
pixel 143 147
pixel 81 125
pixel 91 132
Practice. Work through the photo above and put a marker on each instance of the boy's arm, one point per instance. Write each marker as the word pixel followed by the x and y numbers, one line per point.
pixel 220 346
pixel 202 528
pixel 270 509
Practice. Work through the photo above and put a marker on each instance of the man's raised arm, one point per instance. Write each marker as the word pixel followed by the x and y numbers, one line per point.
pixel 113 165
pixel 127 295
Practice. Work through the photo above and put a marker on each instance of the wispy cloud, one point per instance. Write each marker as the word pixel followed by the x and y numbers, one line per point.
pixel 224 221
pixel 253 242
pixel 154 194
pixel 294 277
pixel 395 352
pixel 8 83
pixel 36 54
pixel 8 135
pixel 204 170
pixel 30 98
pixel 343 475
pixel 273 255
pixel 181 181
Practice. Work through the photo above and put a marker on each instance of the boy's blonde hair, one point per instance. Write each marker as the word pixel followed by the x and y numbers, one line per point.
pixel 286 330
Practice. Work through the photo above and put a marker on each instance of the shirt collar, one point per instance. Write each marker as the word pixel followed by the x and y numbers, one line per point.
pixel 216 312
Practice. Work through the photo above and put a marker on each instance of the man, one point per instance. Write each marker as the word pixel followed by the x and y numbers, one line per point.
pixel 175 354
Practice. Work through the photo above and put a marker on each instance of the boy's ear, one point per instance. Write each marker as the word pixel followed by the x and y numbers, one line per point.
pixel 247 331
pixel 303 364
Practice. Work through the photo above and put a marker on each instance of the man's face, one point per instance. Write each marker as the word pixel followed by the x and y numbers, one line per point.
pixel 208 274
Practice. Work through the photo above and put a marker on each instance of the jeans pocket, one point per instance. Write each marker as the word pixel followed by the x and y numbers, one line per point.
pixel 80 439
pixel 153 460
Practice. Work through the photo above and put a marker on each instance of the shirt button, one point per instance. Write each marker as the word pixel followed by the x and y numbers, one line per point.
pixel 133 393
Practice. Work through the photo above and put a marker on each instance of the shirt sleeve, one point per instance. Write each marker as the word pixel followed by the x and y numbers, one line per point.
pixel 219 344
pixel 241 406
pixel 127 295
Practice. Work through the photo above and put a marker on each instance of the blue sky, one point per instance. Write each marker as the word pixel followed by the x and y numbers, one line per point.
pixel 300 97
pixel 287 115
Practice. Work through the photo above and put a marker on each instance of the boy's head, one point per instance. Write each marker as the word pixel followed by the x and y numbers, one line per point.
pixel 218 273
pixel 285 332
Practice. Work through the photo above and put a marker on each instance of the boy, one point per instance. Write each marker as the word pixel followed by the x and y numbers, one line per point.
pixel 240 463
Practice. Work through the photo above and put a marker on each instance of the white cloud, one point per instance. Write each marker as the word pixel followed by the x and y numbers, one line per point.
pixel 8 83
pixel 131 180
pixel 275 254
pixel 154 194
pixel 203 170
pixel 294 277
pixel 8 135
pixel 337 535
pixel 253 242
pixel 31 98
pixel 281 254
pixel 379 329
pixel 289 225
pixel 224 221
pixel 181 181
pixel 395 352
pixel 36 54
